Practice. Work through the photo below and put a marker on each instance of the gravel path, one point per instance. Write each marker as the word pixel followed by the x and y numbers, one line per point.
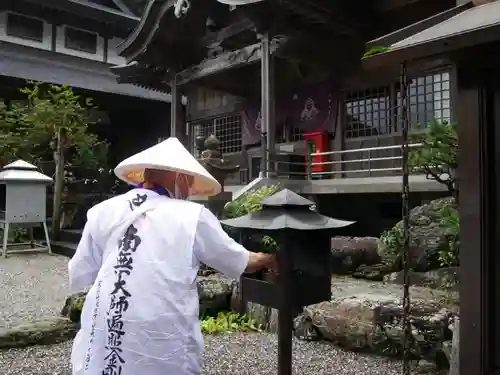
pixel 32 286
pixel 237 353
pixel 35 286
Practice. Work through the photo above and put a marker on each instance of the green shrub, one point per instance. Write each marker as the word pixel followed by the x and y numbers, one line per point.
pixel 450 219
pixel 392 241
pixel 248 203
pixel 438 156
pixel 376 50
pixel 227 322
pixel 440 221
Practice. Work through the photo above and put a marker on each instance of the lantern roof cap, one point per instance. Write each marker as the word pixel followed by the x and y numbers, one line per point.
pixel 21 170
pixel 285 198
pixel 286 210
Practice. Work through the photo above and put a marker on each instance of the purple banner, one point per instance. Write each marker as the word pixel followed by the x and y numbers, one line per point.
pixel 314 108
pixel 308 109
pixel 250 126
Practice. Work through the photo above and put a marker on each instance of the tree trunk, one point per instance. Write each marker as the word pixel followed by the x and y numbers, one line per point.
pixel 58 185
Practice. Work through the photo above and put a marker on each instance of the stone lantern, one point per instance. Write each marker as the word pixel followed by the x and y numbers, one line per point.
pixel 303 259
pixel 219 167
pixel 23 204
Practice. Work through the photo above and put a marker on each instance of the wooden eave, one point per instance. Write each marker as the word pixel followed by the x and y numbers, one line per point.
pixel 159 22
pixel 144 30
pixel 461 27
pixel 159 39
pixel 143 76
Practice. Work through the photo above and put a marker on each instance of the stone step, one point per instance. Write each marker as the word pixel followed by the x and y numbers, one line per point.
pixel 64 248
pixel 70 235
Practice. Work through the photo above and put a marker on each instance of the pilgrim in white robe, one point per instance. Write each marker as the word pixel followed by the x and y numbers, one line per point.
pixel 140 253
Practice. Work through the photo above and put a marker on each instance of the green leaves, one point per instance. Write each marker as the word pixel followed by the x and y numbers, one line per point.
pixel 376 50
pixel 438 157
pixel 228 322
pixel 29 127
pixel 249 202
pixel 450 219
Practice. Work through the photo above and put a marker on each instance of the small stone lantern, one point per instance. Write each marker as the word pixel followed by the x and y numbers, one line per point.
pixel 303 260
pixel 23 204
pixel 219 167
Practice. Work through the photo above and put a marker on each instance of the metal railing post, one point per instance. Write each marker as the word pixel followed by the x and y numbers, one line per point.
pixel 309 160
pixel 369 163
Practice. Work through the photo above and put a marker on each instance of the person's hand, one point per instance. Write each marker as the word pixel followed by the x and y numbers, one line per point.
pixel 259 261
pixel 270 262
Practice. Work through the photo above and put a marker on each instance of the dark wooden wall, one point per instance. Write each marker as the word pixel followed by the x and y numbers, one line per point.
pixel 479 173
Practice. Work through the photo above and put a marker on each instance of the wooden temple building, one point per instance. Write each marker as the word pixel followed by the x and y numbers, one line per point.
pixel 310 81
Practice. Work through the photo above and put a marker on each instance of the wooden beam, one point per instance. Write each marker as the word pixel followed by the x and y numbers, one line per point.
pixel 226 61
pixel 214 39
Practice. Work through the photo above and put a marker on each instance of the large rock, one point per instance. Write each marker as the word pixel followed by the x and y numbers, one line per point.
pixel 73 307
pixel 215 292
pixel 376 272
pixel 428 237
pixel 267 317
pixel 42 332
pixel 348 253
pixel 443 278
pixel 367 316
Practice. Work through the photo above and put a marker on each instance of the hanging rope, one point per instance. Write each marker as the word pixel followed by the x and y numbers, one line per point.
pixel 406 220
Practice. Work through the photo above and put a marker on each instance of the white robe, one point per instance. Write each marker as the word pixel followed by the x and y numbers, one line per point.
pixel 141 252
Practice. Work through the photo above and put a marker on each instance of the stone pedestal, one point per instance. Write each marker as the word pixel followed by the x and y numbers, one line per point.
pixel 216 204
pixel 215 163
pixel 454 358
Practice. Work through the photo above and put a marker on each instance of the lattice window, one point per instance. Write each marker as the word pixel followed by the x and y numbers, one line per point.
pixel 228 131
pixel 226 128
pixel 368 113
pixel 374 112
pixel 429 98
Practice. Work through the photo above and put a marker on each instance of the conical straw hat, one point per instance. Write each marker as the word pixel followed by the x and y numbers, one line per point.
pixel 169 155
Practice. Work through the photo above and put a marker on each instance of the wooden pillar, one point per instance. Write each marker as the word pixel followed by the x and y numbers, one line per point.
pixel 479 171
pixel 267 107
pixel 339 138
pixel 287 305
pixel 177 114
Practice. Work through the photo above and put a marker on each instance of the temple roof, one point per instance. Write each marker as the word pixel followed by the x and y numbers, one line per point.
pixel 215 43
pixel 166 43
pixel 461 27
